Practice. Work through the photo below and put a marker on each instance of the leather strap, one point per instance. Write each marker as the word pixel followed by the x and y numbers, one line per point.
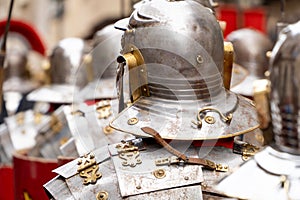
pixel 199 161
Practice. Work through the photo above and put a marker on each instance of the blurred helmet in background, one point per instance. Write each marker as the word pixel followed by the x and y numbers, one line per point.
pixel 250 59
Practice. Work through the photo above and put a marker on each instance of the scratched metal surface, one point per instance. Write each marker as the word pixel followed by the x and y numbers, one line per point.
pixel 127 179
pixel 58 189
pixel 6 144
pixel 74 188
pixel 266 171
pixel 49 140
pixel 70 169
pixel 173 120
pixel 219 155
pixel 140 179
pixel 108 182
pixel 88 129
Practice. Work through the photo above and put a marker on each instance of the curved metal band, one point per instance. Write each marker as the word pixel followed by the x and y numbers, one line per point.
pixel 226 118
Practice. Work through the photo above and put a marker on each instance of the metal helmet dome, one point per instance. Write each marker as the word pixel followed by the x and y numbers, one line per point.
pixel 207 3
pixel 68 72
pixel 65 61
pixel 181 82
pixel 106 49
pixel 251 62
pixel 17 73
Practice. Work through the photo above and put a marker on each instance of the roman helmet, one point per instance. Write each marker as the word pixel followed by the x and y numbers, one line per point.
pixel 68 73
pixel 275 171
pixel 89 124
pixel 24 54
pixel 175 63
pixel 106 49
pixel 250 59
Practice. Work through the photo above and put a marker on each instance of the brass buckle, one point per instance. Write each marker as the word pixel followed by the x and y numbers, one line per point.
pixel 168 161
pixel 216 167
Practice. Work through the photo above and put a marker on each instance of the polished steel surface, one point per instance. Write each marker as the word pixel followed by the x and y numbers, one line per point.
pixel 285 81
pixel 250 48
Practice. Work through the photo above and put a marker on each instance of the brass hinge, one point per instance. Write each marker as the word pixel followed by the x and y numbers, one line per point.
pixel 104 109
pixel 130 153
pixel 88 169
pixel 245 149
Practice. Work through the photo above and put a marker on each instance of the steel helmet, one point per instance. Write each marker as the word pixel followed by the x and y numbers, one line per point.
pixel 67 71
pixel 284 76
pixel 18 60
pixel 106 49
pixel 275 170
pixel 251 62
pixel 179 90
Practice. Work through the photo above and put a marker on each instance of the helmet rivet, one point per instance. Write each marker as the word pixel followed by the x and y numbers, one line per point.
pixel 199 59
pixel 138 187
pixel 209 119
pixel 159 173
pixel 107 130
pixel 133 121
pixel 103 195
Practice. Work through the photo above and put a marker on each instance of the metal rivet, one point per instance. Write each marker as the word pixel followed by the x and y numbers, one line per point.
pixel 245 158
pixel 186 178
pixel 199 59
pixel 138 187
pixel 133 121
pixel 283 180
pixel 209 120
pixel 107 130
pixel 159 173
pixel 103 195
pixel 203 184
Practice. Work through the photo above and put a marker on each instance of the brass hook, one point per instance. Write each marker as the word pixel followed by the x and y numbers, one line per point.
pixel 226 119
